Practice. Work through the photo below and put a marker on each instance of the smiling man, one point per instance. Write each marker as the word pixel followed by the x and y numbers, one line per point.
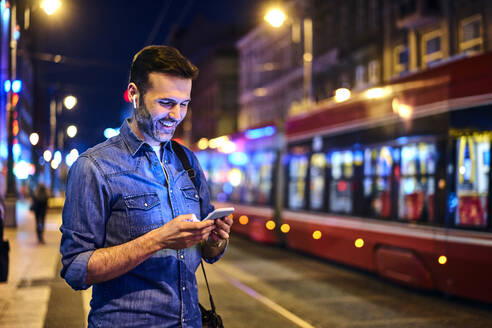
pixel 131 221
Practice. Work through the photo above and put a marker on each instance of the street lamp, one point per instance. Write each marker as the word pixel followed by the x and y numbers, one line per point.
pixel 276 17
pixel 50 6
pixel 70 102
pixel 71 131
pixel 34 138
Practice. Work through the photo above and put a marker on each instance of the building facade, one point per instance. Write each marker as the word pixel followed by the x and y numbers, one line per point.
pixel 356 44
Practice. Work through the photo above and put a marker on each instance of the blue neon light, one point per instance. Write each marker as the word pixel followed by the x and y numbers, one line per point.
pixel 6 14
pixel 238 159
pixel 266 131
pixel 16 86
pixel 16 35
pixel 16 151
pixel 7 85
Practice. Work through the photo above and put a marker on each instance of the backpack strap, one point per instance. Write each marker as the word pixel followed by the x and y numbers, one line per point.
pixel 180 152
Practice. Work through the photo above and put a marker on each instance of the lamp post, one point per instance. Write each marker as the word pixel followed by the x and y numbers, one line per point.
pixel 11 190
pixel 276 18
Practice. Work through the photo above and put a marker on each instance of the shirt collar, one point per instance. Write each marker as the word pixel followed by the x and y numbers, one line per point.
pixel 134 143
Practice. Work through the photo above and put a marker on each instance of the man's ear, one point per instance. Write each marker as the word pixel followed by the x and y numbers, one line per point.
pixel 133 94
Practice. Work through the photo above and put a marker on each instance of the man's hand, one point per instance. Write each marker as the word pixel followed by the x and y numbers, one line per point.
pixel 221 231
pixel 183 232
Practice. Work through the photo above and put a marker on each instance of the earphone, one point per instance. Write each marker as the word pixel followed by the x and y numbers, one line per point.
pixel 135 102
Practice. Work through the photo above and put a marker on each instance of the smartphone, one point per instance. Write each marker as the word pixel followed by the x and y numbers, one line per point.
pixel 219 213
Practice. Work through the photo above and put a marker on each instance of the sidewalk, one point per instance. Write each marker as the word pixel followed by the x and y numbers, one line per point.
pixel 35 295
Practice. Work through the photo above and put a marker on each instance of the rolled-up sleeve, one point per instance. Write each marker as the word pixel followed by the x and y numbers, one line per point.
pixel 84 215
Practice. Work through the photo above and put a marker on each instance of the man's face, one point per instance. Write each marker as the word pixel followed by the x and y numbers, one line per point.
pixel 162 108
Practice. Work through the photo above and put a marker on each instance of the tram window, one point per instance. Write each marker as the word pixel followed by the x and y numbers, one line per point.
pixel 297 181
pixel 416 186
pixel 265 163
pixel 378 163
pixel 473 171
pixel 257 185
pixel 342 171
pixel 317 187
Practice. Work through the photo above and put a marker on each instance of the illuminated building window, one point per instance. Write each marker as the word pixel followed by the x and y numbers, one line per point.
pixel 400 59
pixel 471 34
pixel 472 175
pixel 432 47
pixel 360 77
pixel 373 72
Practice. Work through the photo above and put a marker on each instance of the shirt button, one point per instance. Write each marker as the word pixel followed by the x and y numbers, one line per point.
pixel 171 191
pixel 182 256
pixel 184 288
pixel 145 204
pixel 196 196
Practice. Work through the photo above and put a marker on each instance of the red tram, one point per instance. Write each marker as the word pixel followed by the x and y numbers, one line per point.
pixel 395 180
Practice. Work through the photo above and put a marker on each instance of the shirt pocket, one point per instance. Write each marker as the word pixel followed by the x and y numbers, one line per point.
pixel 191 199
pixel 143 213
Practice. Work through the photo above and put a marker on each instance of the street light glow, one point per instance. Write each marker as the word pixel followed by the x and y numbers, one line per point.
pixel 342 94
pixel 70 102
pixel 34 138
pixel 47 155
pixel 50 6
pixel 275 17
pixel 71 131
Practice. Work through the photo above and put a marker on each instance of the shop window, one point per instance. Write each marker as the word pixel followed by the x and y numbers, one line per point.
pixel 317 186
pixel 342 171
pixel 297 181
pixel 417 182
pixel 473 169
pixel 400 59
pixel 378 164
pixel 471 34
pixel 432 47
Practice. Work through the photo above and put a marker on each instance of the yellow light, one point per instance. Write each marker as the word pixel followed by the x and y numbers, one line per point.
pixel 34 138
pixel 342 94
pixel 70 102
pixel 275 17
pixel 227 147
pixel 71 131
pixel 260 92
pixel 442 259
pixel 243 219
pixel 50 6
pixel 359 243
pixel 270 225
pixel 317 234
pixel 403 110
pixel 217 142
pixel 285 228
pixel 235 177
pixel 47 155
pixel 374 93
pixel 308 57
pixel 55 164
pixel 203 143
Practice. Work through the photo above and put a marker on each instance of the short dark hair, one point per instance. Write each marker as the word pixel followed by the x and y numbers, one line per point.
pixel 160 59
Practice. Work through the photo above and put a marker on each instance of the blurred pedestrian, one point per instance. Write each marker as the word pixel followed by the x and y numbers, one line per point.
pixel 39 205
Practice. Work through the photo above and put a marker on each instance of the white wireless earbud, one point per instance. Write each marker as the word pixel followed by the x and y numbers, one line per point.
pixel 135 102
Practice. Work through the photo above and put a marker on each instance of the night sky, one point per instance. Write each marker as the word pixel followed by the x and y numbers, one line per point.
pixel 97 41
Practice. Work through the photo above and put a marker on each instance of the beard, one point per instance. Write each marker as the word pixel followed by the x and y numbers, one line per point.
pixel 156 128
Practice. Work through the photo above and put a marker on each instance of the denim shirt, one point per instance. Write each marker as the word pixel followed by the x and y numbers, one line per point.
pixel 116 192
